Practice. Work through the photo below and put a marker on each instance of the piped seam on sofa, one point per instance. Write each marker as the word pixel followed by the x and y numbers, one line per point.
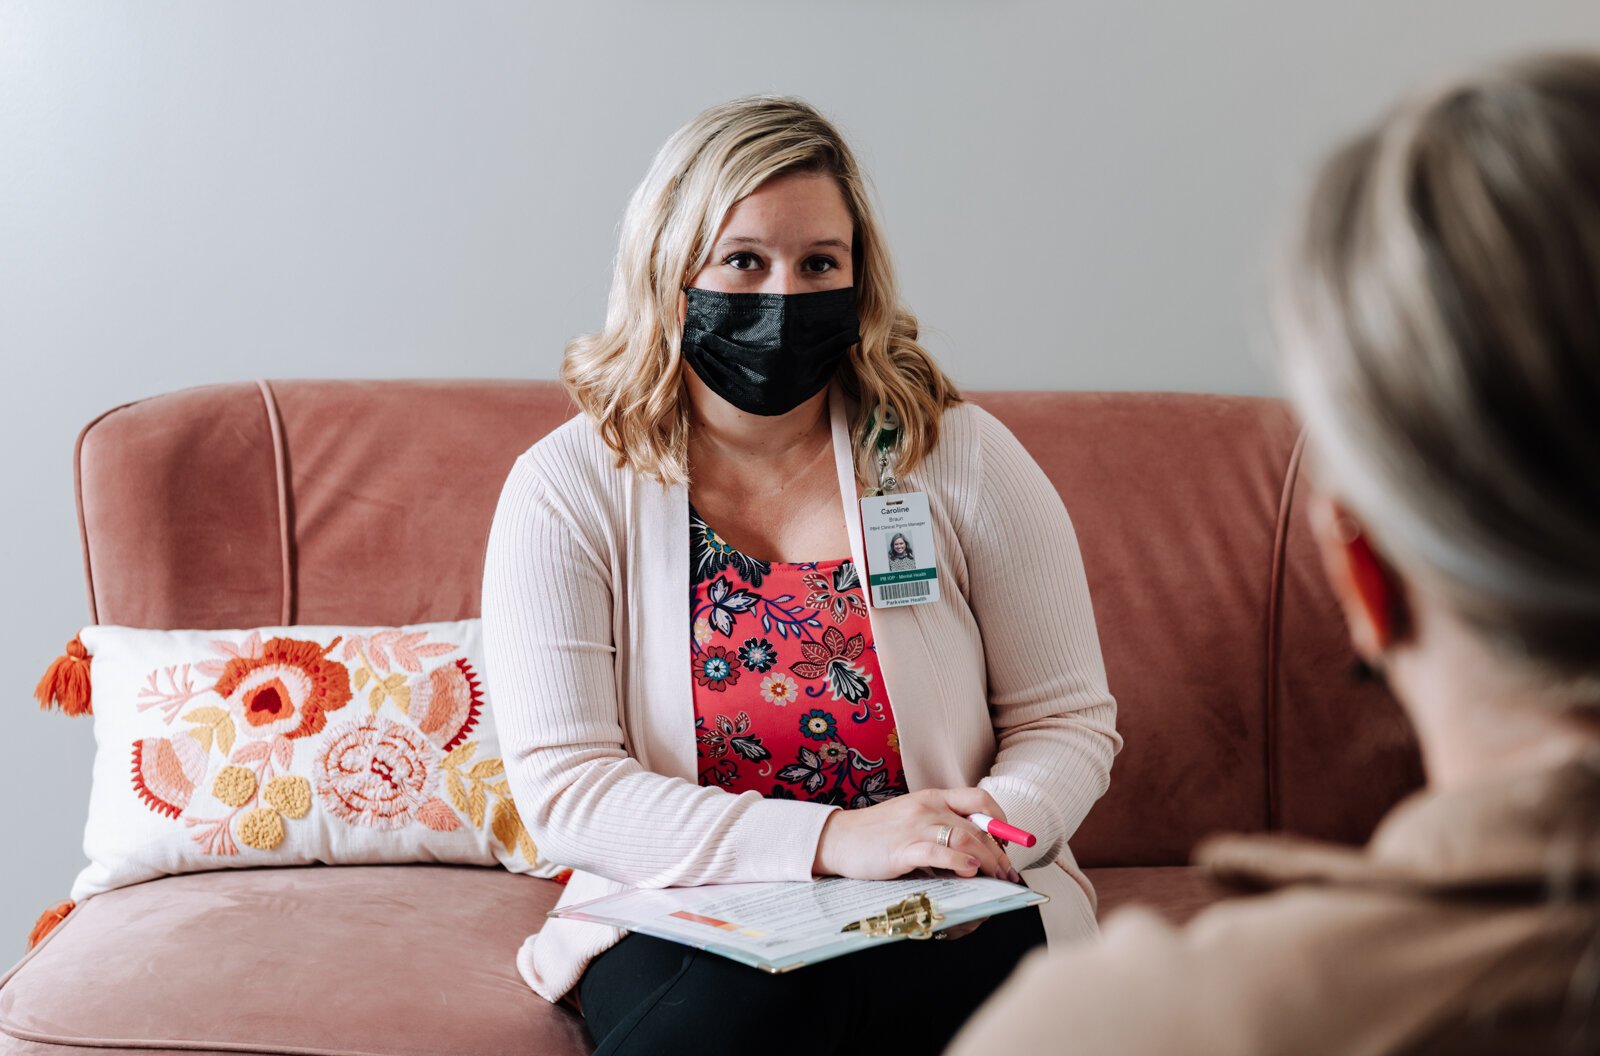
pixel 280 466
pixel 77 498
pixel 1280 549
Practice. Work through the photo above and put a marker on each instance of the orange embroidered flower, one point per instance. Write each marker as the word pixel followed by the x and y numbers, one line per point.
pixel 286 689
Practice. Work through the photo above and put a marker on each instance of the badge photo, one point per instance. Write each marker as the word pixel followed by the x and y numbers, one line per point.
pixel 897 534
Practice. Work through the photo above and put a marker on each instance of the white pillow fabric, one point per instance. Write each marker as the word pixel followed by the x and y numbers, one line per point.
pixel 291 746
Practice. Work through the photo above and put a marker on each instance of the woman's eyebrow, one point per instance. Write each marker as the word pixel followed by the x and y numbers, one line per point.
pixel 744 240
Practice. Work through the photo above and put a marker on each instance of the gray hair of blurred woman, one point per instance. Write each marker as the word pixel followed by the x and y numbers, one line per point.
pixel 1439 320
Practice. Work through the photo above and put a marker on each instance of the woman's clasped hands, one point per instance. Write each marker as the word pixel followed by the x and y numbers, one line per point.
pixel 896 837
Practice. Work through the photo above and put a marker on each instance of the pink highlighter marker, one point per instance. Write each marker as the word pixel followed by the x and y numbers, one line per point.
pixel 1001 831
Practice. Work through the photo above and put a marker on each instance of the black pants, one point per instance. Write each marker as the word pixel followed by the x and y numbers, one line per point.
pixel 646 995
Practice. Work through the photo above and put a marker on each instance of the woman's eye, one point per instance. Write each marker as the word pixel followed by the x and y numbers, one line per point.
pixel 742 261
pixel 821 264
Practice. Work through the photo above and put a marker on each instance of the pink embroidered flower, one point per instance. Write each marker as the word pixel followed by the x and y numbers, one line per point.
pixel 445 703
pixel 287 689
pixel 379 774
pixel 166 771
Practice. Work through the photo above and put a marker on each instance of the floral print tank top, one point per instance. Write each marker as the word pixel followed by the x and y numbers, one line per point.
pixel 788 698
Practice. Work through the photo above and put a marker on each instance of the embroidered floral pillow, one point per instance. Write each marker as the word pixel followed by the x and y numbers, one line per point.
pixel 294 745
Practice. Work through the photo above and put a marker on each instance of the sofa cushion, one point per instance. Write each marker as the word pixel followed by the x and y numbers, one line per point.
pixel 413 960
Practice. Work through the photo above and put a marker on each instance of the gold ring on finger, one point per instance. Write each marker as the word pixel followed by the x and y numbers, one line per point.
pixel 945 832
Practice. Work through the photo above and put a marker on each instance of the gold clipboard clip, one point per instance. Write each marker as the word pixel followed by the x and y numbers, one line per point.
pixel 913 918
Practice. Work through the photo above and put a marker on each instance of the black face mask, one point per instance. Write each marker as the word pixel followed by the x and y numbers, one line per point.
pixel 767 353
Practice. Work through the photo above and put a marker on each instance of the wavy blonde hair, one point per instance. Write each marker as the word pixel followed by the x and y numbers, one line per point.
pixel 629 377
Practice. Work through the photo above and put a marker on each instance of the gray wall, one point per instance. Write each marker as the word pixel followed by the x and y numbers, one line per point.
pixel 1079 194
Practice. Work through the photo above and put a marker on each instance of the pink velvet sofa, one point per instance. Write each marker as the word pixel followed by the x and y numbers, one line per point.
pixel 369 503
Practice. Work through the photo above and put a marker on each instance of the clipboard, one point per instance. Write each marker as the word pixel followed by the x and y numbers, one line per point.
pixel 778 927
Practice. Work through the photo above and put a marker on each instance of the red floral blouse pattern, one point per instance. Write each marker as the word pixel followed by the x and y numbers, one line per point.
pixel 789 700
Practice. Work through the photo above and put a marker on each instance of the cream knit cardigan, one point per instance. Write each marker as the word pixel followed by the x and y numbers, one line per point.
pixel 1000 684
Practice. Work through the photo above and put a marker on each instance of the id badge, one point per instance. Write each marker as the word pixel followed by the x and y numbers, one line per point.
pixel 897 534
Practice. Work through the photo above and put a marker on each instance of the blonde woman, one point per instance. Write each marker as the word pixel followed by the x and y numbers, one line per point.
pixel 901 557
pixel 691 684
pixel 1441 335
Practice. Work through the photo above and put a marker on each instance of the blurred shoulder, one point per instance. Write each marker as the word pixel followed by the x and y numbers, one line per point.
pixel 1274 973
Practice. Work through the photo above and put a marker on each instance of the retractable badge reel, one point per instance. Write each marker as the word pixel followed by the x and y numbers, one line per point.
pixel 897 533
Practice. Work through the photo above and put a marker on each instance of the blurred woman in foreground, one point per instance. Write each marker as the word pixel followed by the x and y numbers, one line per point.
pixel 1440 327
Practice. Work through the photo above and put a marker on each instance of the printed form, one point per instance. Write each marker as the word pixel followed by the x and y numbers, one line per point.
pixel 781 926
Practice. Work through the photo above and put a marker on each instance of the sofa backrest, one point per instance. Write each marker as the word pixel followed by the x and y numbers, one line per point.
pixel 369 502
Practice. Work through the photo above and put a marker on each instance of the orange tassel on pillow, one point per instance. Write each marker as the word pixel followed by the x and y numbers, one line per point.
pixel 48 921
pixel 66 681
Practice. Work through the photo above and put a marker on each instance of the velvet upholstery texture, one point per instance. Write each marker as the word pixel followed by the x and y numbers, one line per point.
pixel 413 960
pixel 369 503
pixel 1177 892
pixel 388 490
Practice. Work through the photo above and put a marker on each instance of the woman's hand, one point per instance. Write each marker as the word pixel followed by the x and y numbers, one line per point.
pixel 891 839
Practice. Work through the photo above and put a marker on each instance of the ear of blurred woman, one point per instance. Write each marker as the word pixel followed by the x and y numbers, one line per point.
pixel 1368 588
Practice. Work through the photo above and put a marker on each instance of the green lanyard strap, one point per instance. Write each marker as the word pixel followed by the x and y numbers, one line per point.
pixel 887 438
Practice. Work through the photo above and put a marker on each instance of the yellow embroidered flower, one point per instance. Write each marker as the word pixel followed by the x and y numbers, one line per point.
pixel 262 829
pixel 778 688
pixel 289 795
pixel 234 785
pixel 894 739
pixel 702 631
